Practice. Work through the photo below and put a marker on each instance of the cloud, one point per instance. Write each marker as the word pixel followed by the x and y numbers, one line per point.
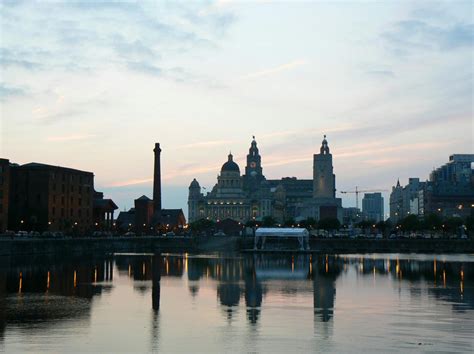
pixel 274 70
pixel 43 115
pixel 131 182
pixel 88 35
pixel 70 137
pixel 145 68
pixel 7 91
pixel 381 73
pixel 408 36
pixel 205 144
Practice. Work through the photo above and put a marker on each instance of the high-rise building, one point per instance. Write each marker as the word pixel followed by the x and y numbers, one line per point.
pixel 372 206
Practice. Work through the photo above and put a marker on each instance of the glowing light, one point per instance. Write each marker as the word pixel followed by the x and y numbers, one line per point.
pixel 75 278
pixel 20 285
pixel 48 281
pixel 143 268
pixel 95 275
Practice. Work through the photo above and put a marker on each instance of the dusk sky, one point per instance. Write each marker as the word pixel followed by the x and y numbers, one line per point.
pixel 93 85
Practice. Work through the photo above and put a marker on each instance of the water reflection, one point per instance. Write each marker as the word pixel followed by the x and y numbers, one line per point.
pixel 34 291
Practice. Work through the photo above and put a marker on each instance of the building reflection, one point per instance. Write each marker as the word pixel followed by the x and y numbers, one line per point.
pixel 239 281
pixel 80 279
pixel 324 272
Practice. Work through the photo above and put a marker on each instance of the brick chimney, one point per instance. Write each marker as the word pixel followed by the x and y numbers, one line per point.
pixel 157 179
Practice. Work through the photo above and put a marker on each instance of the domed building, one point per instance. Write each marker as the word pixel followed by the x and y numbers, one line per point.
pixel 252 196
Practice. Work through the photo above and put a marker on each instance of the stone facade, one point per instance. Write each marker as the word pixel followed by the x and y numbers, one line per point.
pixel 252 197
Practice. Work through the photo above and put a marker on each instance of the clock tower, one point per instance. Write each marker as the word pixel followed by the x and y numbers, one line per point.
pixel 254 161
pixel 253 170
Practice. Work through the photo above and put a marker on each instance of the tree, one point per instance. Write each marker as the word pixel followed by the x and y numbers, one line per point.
pixel 365 225
pixel 432 222
pixel 202 225
pixel 329 224
pixel 289 222
pixel 453 224
pixel 251 223
pixel 382 226
pixel 469 222
pixel 268 221
pixel 308 223
pixel 410 223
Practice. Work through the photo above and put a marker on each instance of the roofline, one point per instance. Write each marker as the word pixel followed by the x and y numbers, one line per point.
pixel 43 166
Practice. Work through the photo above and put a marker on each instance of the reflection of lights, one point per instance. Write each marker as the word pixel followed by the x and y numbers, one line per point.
pixel 129 270
pixel 48 281
pixel 95 275
pixel 327 268
pixel 434 267
pixel 444 278
pixel 20 283
pixel 462 274
pixel 75 278
pixel 167 264
pixel 143 268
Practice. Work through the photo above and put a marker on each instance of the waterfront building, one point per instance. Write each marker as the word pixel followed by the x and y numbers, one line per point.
pixel 50 198
pixel 450 189
pixel 449 192
pixel 372 206
pixel 103 212
pixel 4 193
pixel 252 197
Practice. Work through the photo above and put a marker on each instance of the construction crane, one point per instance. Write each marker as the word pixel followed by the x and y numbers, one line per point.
pixel 357 191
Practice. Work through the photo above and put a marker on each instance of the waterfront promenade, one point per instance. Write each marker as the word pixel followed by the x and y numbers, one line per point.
pixel 152 244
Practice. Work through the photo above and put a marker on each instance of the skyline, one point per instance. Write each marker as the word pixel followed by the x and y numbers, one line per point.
pixel 94 85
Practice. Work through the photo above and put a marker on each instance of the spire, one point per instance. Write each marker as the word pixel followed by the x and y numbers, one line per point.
pixel 230 157
pixel 324 150
pixel 398 183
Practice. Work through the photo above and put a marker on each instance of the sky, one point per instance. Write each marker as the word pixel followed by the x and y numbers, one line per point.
pixel 93 85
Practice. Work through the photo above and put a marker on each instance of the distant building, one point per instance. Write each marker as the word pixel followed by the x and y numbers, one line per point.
pixel 252 196
pixel 4 193
pixel 401 199
pixel 450 189
pixel 372 206
pixel 148 215
pixel 103 212
pixel 449 192
pixel 351 215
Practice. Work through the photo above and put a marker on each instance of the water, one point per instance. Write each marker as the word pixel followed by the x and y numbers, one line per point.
pixel 239 303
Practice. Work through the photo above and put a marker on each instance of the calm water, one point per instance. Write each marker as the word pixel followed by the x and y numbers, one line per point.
pixel 241 303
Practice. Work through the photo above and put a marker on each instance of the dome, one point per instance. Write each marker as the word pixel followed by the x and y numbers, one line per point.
pixel 194 184
pixel 230 165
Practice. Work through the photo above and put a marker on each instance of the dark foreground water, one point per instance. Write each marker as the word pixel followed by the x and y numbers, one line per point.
pixel 241 303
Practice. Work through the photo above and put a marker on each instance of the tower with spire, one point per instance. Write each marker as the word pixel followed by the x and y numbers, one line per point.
pixel 324 179
pixel 253 169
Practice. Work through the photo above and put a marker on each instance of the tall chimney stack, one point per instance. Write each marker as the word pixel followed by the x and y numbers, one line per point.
pixel 157 179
